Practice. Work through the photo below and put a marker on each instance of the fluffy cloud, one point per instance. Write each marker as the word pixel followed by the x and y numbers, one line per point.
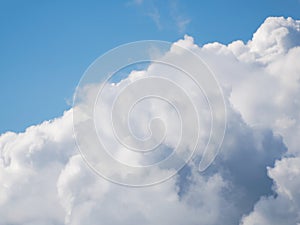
pixel 30 165
pixel 44 180
pixel 285 207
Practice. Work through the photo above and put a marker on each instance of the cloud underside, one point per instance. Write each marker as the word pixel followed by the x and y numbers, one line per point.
pixel 254 180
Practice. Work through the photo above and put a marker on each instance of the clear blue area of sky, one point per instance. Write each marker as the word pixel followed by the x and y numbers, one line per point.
pixel 45 46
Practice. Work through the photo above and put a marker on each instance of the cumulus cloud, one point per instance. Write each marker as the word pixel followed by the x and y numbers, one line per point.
pixel 254 180
pixel 30 165
pixel 285 207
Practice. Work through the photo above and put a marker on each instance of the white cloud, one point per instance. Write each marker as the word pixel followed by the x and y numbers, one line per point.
pixel 30 164
pixel 265 90
pixel 45 181
pixel 285 207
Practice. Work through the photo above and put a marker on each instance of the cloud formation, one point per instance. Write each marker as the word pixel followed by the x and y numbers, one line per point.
pixel 254 180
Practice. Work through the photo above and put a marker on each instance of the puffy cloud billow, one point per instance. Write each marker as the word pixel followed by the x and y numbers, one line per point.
pixel 255 180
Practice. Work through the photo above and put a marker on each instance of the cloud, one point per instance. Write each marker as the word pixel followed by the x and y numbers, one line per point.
pixel 167 16
pixel 254 180
pixel 285 207
pixel 267 77
pixel 179 18
pixel 271 85
pixel 30 164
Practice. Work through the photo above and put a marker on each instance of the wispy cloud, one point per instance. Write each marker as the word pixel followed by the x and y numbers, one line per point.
pixel 167 16
pixel 156 17
pixel 178 17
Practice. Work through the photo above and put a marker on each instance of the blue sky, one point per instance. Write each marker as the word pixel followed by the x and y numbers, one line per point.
pixel 47 45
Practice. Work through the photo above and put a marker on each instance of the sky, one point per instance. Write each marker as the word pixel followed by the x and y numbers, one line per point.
pixel 47 45
pixel 205 130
